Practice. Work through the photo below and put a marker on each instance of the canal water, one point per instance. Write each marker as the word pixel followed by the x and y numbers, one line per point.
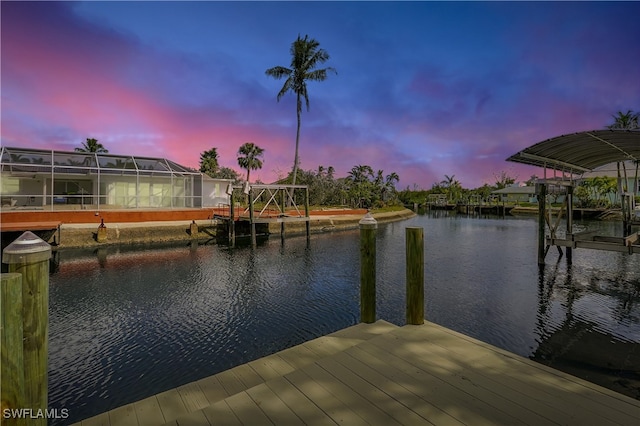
pixel 130 322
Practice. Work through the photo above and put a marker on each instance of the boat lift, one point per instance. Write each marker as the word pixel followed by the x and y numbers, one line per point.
pixel 575 154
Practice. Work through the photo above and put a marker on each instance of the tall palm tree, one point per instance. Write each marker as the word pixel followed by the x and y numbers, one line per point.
pixel 209 162
pixel 249 154
pixel 306 55
pixel 625 121
pixel 92 145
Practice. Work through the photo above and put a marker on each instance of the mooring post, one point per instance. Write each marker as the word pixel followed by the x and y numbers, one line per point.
pixel 11 351
pixel 569 250
pixel 306 212
pixel 541 193
pixel 251 222
pixel 415 275
pixel 101 235
pixel 232 220
pixel 368 227
pixel 29 256
pixel 284 213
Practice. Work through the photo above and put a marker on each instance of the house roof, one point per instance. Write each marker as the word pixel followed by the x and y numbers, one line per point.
pixel 582 152
pixel 516 190
pixel 25 160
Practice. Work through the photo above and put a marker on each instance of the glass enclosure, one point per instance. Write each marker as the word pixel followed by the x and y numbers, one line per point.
pixel 59 180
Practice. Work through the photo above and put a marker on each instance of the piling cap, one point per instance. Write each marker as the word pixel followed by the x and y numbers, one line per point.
pixel 368 221
pixel 27 248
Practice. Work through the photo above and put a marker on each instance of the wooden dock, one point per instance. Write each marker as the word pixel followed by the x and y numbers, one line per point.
pixel 380 374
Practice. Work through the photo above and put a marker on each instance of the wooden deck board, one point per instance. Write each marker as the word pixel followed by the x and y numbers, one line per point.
pixel 271 404
pixel 536 380
pixel 380 374
pixel 171 405
pixel 377 390
pixel 297 402
pixel 246 410
pixel 148 412
pixel 325 400
pixel 221 414
pixel 212 389
pixel 192 397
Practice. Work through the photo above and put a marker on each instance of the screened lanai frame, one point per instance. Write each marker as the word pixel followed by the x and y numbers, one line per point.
pixel 33 178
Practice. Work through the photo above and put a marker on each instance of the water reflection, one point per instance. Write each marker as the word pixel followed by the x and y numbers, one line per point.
pixel 587 324
pixel 130 322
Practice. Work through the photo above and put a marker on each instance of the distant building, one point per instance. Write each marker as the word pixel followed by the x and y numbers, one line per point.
pixel 59 180
pixel 517 194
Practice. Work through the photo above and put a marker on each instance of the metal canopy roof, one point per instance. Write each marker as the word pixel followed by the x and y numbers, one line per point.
pixel 582 152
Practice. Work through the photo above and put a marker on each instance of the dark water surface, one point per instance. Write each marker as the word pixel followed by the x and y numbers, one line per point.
pixel 127 323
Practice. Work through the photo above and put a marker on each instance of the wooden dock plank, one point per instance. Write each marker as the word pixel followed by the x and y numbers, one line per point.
pixel 212 389
pixel 99 420
pixel 124 416
pixel 369 412
pixel 459 378
pixel 171 405
pixel 325 400
pixel 246 410
pixel 192 396
pixel 273 406
pixel 196 418
pixel 378 391
pixel 221 414
pixel 297 402
pixel 555 388
pixel 148 412
pixel 231 383
pixel 247 376
pixel 429 401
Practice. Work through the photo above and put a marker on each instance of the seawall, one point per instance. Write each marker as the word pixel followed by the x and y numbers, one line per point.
pixel 84 235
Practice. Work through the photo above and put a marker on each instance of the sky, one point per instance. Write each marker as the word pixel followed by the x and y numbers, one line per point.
pixel 423 89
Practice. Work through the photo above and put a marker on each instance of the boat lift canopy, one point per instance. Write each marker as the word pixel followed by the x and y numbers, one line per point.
pixel 582 152
pixel 578 153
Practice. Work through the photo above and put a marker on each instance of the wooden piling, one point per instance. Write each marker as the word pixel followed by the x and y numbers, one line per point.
pixel 541 193
pixel 251 222
pixel 368 228
pixel 29 256
pixel 306 212
pixel 193 229
pixel 415 275
pixel 569 250
pixel 232 221
pixel 11 350
pixel 101 235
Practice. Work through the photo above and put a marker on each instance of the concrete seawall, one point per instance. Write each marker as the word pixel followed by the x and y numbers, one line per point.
pixel 85 235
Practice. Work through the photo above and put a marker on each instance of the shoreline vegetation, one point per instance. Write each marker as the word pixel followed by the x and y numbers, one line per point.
pixel 328 220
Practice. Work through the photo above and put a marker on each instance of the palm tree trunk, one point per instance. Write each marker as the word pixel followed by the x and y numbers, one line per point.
pixel 295 158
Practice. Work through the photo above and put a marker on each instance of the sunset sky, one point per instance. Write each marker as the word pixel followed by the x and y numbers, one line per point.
pixel 423 89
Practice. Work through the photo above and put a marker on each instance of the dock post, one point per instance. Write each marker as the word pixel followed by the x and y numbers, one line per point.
pixel 569 250
pixel 415 275
pixel 541 193
pixel 251 222
pixel 368 227
pixel 12 361
pixel 29 256
pixel 306 212
pixel 101 235
pixel 232 220
pixel 284 214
